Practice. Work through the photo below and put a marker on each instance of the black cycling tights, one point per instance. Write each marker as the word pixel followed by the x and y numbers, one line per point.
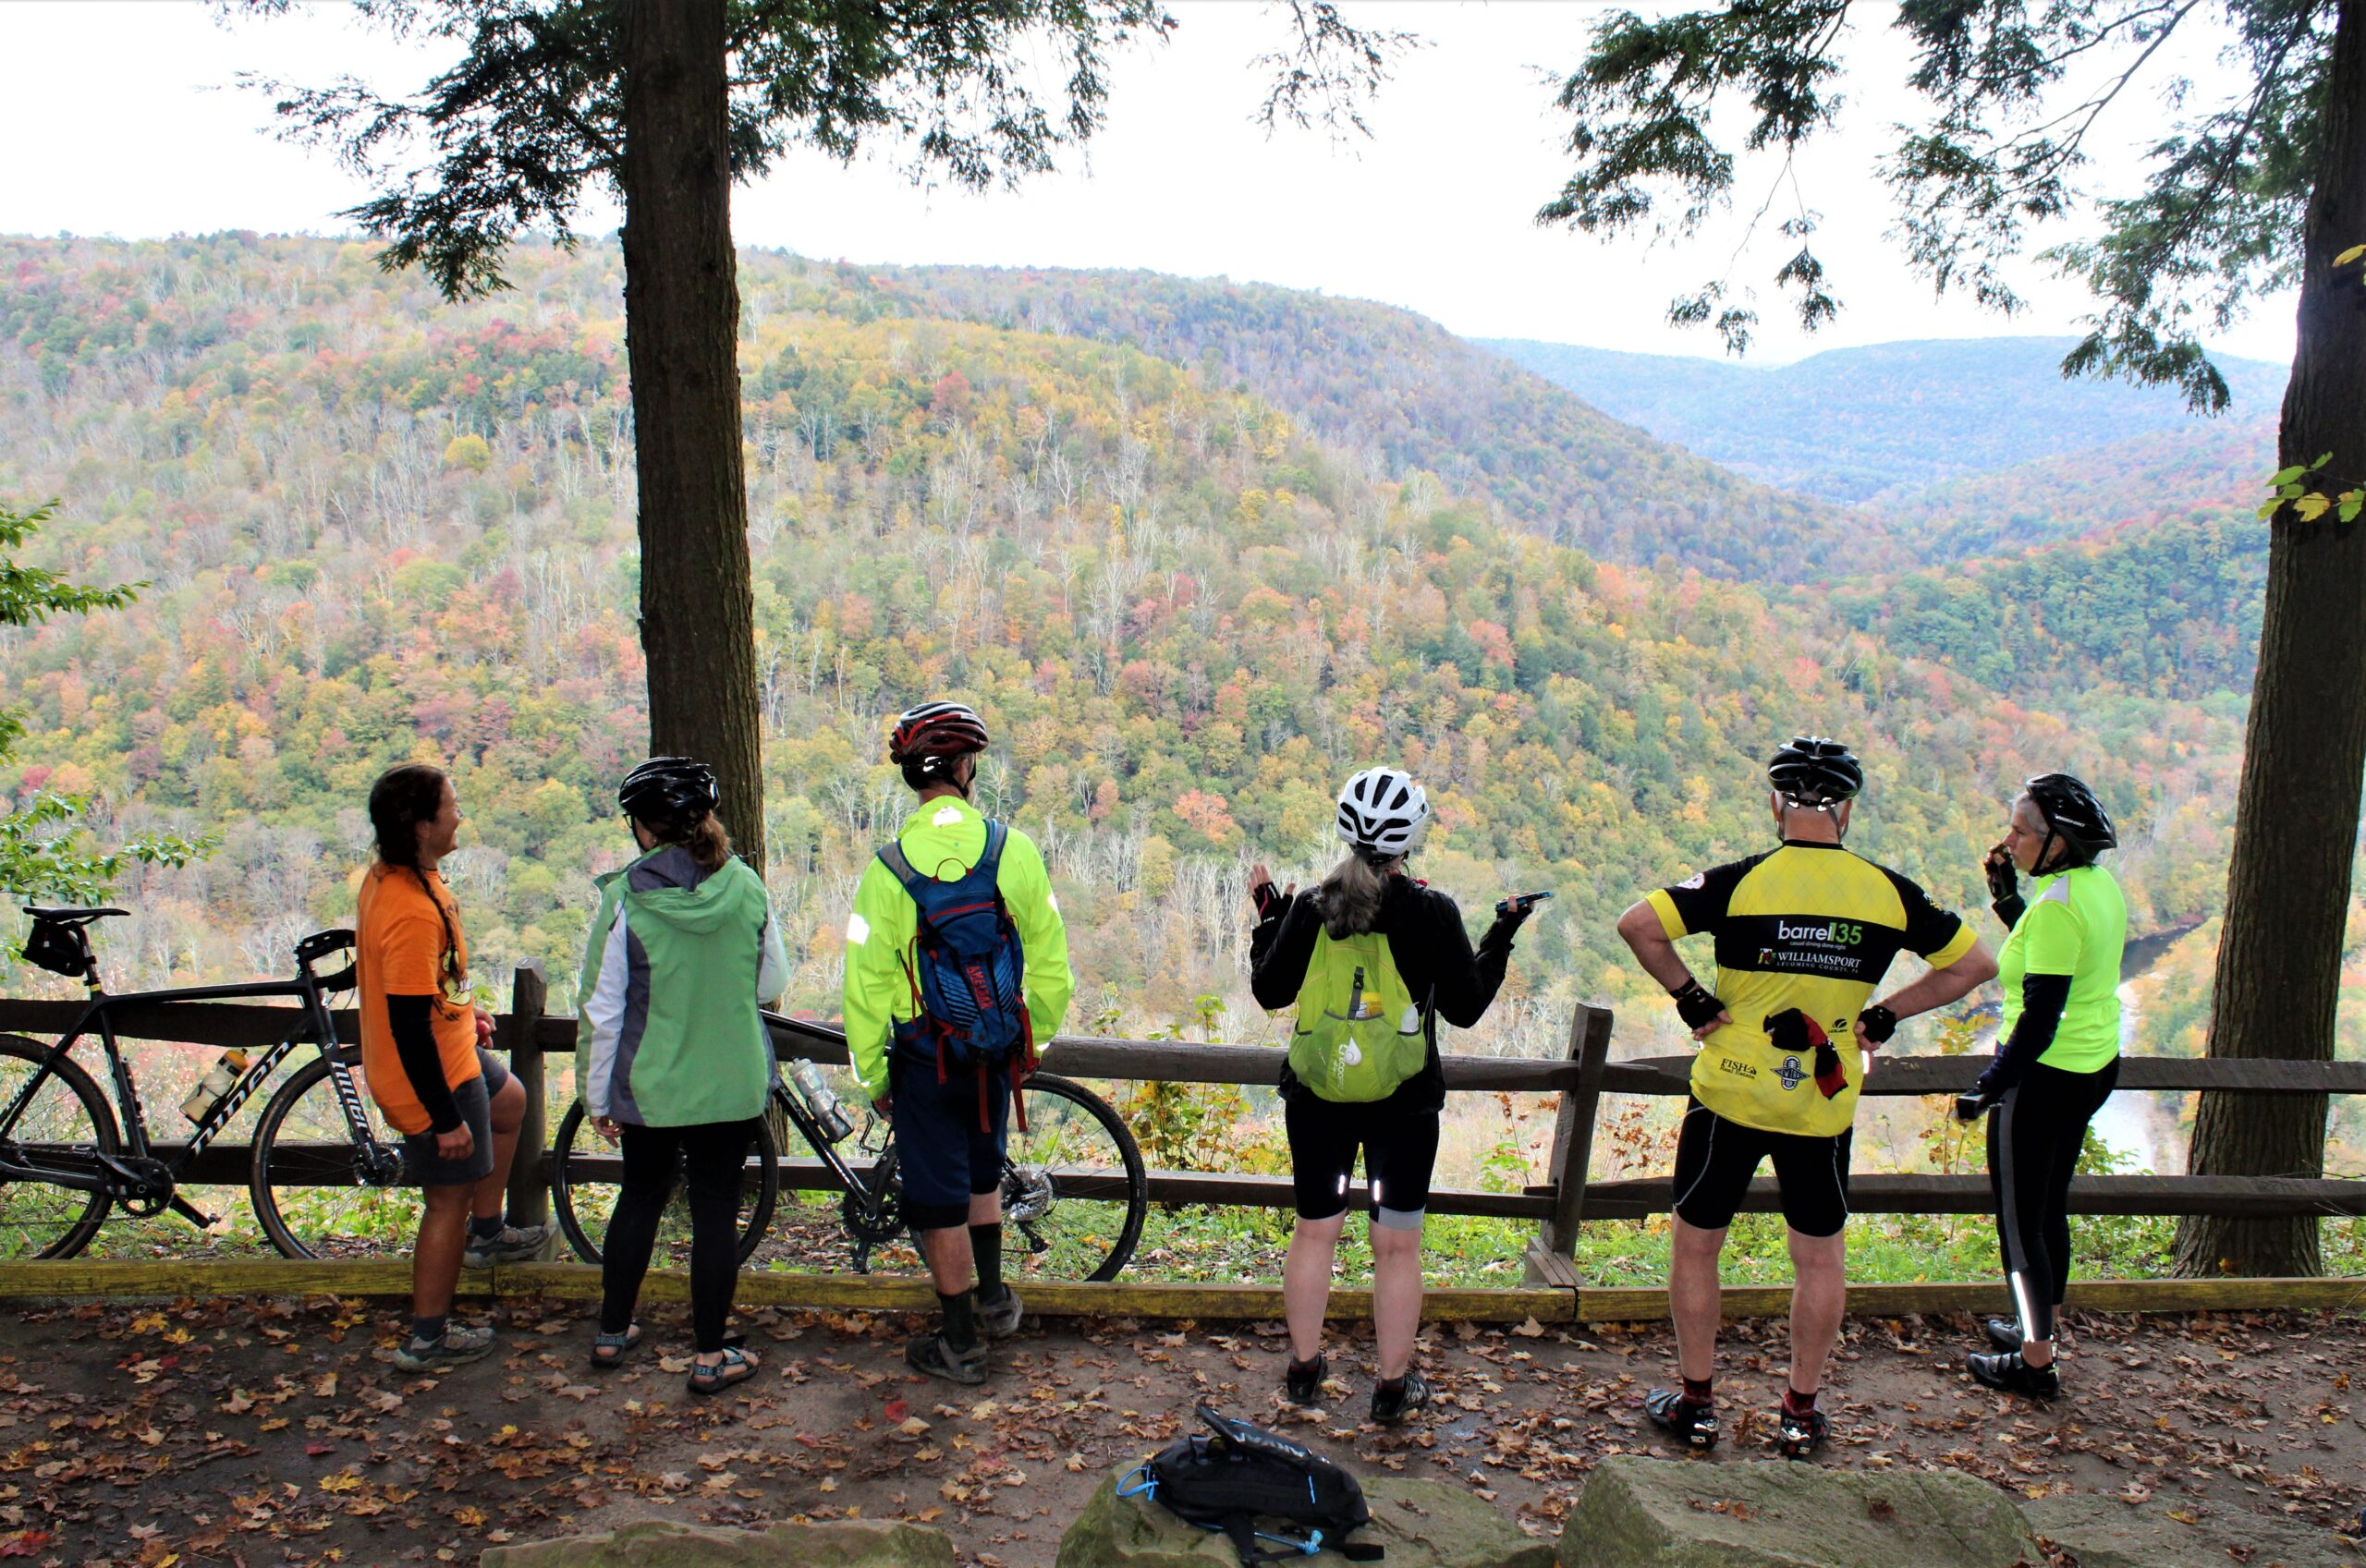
pixel 713 1156
pixel 2033 1142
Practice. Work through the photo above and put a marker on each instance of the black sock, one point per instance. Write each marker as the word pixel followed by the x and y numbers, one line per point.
pixel 1311 1364
pixel 1794 1402
pixel 1696 1392
pixel 1389 1388
pixel 485 1230
pixel 960 1317
pixel 985 1246
pixel 427 1330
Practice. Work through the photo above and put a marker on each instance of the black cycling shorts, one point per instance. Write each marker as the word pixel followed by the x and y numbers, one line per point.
pixel 1716 1157
pixel 949 1139
pixel 1399 1149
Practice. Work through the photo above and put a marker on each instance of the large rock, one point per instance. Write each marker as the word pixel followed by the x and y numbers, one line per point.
pixel 660 1543
pixel 1690 1513
pixel 2104 1532
pixel 1423 1524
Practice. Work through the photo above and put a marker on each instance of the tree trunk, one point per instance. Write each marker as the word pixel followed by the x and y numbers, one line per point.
pixel 681 327
pixel 2296 821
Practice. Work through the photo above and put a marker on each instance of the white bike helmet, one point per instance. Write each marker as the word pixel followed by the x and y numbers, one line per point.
pixel 1382 813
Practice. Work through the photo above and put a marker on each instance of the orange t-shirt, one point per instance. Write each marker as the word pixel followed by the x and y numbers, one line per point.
pixel 400 954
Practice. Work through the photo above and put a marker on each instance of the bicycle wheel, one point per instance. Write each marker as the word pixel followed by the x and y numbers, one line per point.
pixel 67 1124
pixel 1074 1192
pixel 308 1186
pixel 586 1177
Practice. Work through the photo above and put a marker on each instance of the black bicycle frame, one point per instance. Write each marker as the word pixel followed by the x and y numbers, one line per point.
pixel 313 1021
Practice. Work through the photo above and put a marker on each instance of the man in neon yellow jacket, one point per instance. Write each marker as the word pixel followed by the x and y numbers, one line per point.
pixel 950 1118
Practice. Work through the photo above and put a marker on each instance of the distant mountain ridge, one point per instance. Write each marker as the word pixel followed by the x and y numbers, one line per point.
pixel 1404 393
pixel 1852 423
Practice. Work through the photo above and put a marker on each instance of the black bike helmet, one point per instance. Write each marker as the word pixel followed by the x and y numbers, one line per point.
pixel 669 792
pixel 2072 815
pixel 1815 770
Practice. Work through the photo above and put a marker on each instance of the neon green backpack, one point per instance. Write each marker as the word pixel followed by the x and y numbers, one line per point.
pixel 1359 1033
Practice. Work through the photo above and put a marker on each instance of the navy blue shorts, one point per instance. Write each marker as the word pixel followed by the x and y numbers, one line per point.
pixel 943 1155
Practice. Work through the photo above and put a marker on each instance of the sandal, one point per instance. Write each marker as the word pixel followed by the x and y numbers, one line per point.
pixel 608 1351
pixel 737 1367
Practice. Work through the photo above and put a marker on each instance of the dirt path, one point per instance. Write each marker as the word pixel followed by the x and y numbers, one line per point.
pixel 265 1432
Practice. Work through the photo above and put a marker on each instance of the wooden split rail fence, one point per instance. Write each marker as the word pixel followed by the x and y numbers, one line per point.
pixel 1559 1205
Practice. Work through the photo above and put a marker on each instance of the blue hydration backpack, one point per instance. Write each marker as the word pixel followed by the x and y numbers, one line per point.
pixel 970 1006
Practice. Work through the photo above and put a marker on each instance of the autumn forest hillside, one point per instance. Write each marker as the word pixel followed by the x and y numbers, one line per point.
pixel 1197 552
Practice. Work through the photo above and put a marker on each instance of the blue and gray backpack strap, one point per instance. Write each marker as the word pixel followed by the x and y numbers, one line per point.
pixel 899 866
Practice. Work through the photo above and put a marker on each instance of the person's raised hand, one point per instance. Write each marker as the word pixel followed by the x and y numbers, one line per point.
pixel 2004 877
pixel 1261 894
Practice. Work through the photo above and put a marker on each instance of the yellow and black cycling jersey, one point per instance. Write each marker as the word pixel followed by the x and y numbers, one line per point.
pixel 1811 927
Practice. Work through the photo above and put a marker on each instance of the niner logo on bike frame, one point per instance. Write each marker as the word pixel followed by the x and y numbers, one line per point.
pixel 107 1166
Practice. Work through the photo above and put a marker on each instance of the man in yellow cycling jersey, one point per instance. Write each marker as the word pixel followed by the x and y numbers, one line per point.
pixel 1804 932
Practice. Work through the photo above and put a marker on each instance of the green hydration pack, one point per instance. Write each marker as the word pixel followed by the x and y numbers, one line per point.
pixel 1359 1033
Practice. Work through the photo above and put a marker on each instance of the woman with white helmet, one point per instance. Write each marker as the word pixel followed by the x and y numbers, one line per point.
pixel 1371 959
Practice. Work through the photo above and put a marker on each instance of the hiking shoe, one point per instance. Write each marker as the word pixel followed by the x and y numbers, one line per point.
pixel 514 1245
pixel 1303 1380
pixel 999 1319
pixel 929 1353
pixel 1799 1432
pixel 1411 1395
pixel 2013 1375
pixel 2005 1334
pixel 461 1343
pixel 1693 1425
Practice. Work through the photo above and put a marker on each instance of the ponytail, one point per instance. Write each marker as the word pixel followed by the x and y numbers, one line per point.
pixel 1349 899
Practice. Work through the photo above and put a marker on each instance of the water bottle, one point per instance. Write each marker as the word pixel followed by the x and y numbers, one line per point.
pixel 216 1083
pixel 819 1100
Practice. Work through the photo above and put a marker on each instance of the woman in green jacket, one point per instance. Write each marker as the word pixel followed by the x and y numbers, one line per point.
pixel 673 1059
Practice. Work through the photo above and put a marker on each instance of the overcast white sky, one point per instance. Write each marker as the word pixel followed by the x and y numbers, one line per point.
pixel 122 118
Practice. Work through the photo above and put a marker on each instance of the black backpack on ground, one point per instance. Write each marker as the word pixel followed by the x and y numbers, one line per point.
pixel 1236 1476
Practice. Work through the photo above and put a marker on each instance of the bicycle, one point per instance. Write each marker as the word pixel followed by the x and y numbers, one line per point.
pixel 1074 1189
pixel 63 1162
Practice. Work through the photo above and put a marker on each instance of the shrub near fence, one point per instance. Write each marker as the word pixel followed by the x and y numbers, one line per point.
pixel 1559 1205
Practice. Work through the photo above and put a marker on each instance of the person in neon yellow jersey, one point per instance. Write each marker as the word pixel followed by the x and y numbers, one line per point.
pixel 943 1070
pixel 2057 1060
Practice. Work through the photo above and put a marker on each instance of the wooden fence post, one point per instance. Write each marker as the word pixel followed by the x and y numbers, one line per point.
pixel 529 1192
pixel 1573 1132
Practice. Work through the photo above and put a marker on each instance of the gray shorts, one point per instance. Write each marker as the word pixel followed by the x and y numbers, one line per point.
pixel 423 1167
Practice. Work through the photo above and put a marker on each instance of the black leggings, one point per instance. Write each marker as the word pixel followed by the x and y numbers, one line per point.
pixel 714 1156
pixel 2035 1136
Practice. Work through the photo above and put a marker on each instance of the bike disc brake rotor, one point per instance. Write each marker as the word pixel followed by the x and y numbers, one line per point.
pixel 381 1166
pixel 1026 1193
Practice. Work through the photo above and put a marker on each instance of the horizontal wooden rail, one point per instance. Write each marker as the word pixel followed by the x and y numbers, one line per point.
pixel 1893 1076
pixel 225 1024
pixel 2241 1196
pixel 331 1165
pixel 1548 1306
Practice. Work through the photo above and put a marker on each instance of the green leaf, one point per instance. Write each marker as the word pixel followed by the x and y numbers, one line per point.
pixel 2285 476
pixel 2267 508
pixel 2352 503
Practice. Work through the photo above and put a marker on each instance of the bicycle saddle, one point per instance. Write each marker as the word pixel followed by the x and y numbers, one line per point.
pixel 71 917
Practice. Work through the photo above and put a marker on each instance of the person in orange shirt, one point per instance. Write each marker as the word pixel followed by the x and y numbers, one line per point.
pixel 422 1053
